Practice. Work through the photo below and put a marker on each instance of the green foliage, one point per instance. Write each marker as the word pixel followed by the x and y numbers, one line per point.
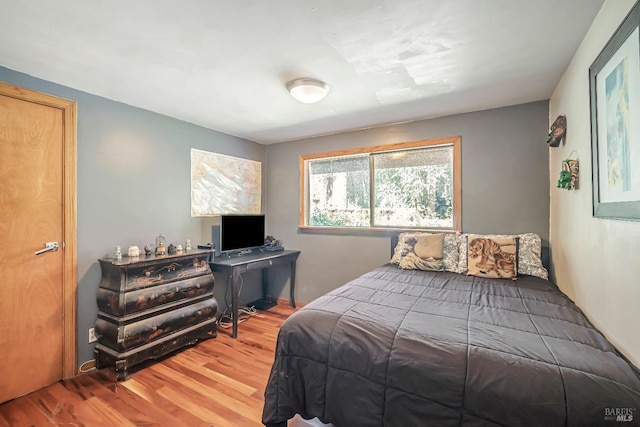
pixel 340 218
pixel 424 189
pixel 322 218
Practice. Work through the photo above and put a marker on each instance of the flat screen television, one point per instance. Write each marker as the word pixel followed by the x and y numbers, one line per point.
pixel 241 232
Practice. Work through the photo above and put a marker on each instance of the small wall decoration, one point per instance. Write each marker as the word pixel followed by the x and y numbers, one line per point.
pixel 558 129
pixel 614 79
pixel 569 175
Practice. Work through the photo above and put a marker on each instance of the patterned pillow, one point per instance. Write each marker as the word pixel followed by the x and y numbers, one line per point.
pixel 529 250
pixel 450 251
pixel 423 252
pixel 493 257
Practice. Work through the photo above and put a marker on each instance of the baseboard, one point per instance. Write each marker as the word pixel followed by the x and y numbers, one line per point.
pixel 285 301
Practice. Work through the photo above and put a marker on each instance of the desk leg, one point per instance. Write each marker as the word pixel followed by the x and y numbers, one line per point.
pixel 292 301
pixel 264 284
pixel 235 286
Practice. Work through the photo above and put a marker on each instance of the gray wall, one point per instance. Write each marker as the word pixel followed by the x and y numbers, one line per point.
pixel 133 183
pixel 505 188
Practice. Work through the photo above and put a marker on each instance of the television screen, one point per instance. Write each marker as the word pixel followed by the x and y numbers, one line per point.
pixel 239 232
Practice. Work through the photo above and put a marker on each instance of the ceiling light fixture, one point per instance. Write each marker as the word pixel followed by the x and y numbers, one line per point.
pixel 308 91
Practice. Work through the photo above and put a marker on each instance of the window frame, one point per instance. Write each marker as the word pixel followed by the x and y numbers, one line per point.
pixel 454 141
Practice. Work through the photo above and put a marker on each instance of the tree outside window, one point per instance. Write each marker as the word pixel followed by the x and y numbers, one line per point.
pixel 407 185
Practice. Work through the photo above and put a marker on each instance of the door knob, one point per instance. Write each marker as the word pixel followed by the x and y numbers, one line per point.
pixel 49 246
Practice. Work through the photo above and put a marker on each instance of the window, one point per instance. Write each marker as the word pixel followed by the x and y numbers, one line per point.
pixel 406 185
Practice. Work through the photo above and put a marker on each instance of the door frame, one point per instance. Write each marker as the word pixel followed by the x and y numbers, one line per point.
pixel 69 217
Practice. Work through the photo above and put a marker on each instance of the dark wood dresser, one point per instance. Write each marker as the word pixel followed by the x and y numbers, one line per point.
pixel 150 306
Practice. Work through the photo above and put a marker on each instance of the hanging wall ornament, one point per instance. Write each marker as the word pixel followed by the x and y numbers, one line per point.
pixel 569 175
pixel 558 129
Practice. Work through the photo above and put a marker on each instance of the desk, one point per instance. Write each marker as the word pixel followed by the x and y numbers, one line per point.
pixel 233 266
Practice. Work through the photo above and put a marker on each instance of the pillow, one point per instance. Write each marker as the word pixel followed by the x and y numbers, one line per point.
pixel 492 256
pixel 423 252
pixel 529 249
pixel 450 251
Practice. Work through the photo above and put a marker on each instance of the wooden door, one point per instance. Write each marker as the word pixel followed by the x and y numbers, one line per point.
pixel 37 205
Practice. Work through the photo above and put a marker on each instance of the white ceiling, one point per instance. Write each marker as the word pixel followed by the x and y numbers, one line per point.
pixel 224 64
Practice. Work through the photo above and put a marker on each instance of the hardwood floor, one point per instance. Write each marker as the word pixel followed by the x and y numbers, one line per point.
pixel 218 382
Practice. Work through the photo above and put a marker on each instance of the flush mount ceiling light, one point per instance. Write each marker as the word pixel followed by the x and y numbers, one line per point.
pixel 307 91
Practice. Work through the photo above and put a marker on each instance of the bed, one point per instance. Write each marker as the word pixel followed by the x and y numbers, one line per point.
pixel 407 347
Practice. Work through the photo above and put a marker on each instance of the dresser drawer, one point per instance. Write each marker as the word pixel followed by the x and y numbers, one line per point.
pixel 126 303
pixel 122 361
pixel 157 271
pixel 142 330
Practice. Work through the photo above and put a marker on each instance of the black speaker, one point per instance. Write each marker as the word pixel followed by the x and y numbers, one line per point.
pixel 215 238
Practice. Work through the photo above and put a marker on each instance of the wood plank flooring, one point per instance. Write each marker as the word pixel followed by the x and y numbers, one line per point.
pixel 218 382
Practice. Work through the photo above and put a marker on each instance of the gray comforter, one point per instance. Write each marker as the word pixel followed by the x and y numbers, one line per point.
pixel 413 348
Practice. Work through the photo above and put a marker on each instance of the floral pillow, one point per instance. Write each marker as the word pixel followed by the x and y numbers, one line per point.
pixel 529 252
pixel 450 251
pixel 491 256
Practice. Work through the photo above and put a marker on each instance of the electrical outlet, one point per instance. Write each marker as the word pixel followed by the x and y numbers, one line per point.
pixel 92 335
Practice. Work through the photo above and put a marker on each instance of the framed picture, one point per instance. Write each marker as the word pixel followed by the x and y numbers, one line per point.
pixel 614 79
